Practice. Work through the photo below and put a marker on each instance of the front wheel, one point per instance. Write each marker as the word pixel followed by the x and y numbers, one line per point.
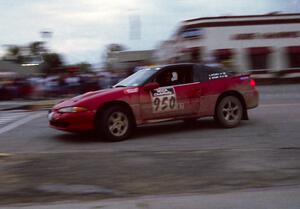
pixel 114 124
pixel 229 112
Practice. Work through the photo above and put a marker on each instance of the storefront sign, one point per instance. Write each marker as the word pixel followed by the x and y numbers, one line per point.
pixel 250 36
pixel 192 33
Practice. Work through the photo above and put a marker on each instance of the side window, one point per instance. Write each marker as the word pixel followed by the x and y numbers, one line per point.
pixel 175 75
pixel 201 73
pixel 186 75
pixel 166 78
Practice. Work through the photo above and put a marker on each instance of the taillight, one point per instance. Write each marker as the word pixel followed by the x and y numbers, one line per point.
pixel 252 83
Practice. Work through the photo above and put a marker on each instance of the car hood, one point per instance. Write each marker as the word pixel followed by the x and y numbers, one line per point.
pixel 84 97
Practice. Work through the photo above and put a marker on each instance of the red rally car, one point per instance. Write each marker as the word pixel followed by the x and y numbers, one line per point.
pixel 155 94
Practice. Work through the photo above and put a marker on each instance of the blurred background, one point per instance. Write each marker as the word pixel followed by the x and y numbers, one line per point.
pixel 51 48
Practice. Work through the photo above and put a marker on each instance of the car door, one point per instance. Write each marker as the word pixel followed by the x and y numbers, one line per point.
pixel 189 91
pixel 171 100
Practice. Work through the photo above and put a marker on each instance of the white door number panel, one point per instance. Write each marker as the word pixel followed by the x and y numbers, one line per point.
pixel 164 100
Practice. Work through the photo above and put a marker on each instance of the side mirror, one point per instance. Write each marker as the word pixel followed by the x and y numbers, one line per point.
pixel 151 86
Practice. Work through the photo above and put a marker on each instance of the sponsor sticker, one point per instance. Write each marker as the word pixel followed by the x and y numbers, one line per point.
pixel 164 100
pixel 244 78
pixel 131 91
pixel 213 76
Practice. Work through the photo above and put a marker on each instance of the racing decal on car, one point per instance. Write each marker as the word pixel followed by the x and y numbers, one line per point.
pixel 131 91
pixel 213 76
pixel 244 78
pixel 163 100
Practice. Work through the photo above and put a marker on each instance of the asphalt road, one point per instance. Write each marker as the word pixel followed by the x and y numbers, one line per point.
pixel 278 198
pixel 39 163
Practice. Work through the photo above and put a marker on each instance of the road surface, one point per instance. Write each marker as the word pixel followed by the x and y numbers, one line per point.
pixel 42 164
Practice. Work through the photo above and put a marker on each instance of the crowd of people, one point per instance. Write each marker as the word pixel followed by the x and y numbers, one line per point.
pixel 53 86
pixel 68 84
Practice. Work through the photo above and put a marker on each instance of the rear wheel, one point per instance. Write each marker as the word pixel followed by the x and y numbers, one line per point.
pixel 114 124
pixel 229 112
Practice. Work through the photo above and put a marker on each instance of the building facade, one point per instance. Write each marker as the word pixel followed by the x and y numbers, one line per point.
pixel 126 61
pixel 257 43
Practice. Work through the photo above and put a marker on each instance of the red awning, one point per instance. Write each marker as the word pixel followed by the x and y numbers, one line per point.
pixel 72 68
pixel 259 50
pixel 293 49
pixel 191 49
pixel 223 53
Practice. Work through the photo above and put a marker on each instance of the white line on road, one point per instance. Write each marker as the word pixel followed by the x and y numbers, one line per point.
pixel 20 122
pixel 10 117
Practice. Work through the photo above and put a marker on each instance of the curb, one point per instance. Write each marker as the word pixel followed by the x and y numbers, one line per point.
pixel 45 106
pixel 19 107
pixel 31 106
pixel 276 81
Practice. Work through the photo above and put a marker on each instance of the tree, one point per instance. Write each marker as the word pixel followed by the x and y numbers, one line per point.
pixel 52 63
pixel 85 67
pixel 34 53
pixel 14 54
pixel 29 54
pixel 37 48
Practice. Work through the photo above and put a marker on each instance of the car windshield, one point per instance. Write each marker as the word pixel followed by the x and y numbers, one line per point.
pixel 136 79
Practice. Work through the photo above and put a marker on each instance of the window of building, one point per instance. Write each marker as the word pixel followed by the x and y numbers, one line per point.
pixel 259 57
pixel 192 54
pixel 223 55
pixel 293 54
pixel 192 33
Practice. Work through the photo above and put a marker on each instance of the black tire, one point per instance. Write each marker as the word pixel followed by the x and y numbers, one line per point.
pixel 229 112
pixel 114 124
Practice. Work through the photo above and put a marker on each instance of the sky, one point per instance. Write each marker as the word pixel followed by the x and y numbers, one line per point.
pixel 82 28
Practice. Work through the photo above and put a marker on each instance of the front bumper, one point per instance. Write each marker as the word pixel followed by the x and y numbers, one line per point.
pixel 72 122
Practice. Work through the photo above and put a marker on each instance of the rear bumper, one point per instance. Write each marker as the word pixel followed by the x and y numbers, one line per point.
pixel 251 98
pixel 72 122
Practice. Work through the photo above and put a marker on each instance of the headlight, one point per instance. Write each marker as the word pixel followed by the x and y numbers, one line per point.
pixel 72 109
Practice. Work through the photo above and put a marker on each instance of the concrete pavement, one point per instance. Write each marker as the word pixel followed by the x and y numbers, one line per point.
pixel 278 198
pixel 46 165
pixel 28 104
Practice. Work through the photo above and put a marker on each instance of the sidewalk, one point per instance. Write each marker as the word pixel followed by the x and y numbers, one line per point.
pixel 27 104
pixel 275 198
pixel 273 79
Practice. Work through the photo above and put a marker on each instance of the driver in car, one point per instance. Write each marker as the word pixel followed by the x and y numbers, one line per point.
pixel 168 79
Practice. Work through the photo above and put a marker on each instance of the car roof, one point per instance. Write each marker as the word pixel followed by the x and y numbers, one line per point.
pixel 161 67
pixel 178 64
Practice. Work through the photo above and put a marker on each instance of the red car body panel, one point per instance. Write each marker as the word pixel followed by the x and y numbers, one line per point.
pixel 190 100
